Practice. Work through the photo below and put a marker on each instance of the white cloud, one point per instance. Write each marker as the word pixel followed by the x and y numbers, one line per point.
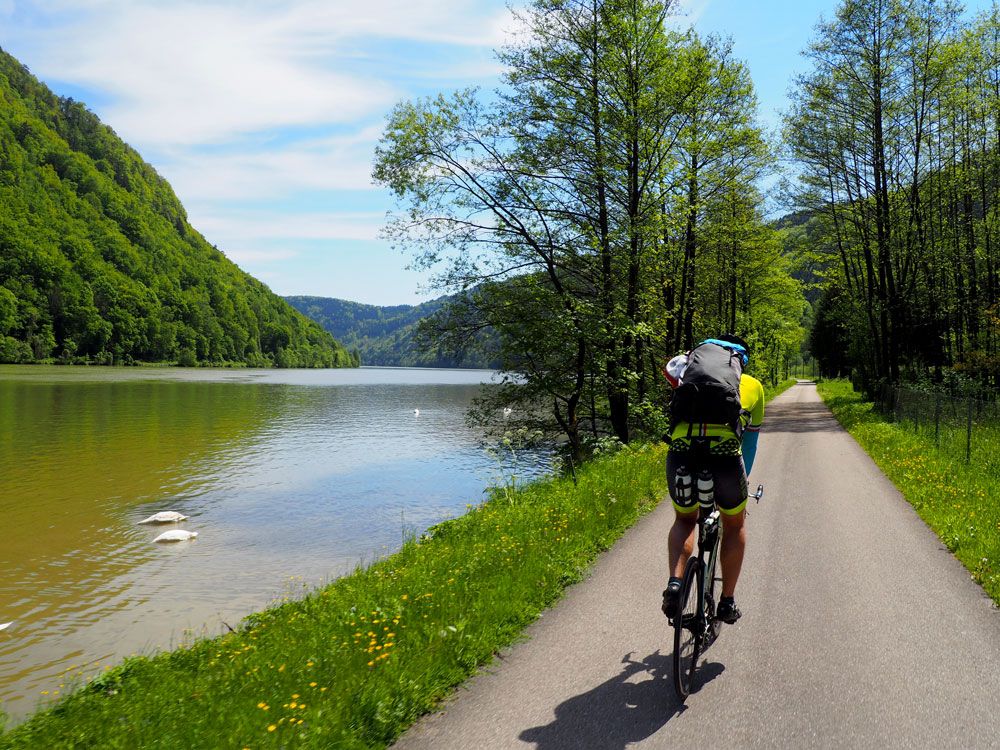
pixel 332 163
pixel 182 74
pixel 187 73
pixel 244 256
pixel 253 229
pixel 689 12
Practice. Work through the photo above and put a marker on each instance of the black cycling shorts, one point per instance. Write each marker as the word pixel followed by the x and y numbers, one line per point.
pixel 728 474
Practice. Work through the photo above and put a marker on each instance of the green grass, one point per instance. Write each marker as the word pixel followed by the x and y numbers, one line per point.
pixel 957 500
pixel 353 664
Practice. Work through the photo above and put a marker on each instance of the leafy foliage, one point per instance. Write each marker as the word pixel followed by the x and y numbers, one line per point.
pixel 599 212
pixel 99 264
pixel 391 336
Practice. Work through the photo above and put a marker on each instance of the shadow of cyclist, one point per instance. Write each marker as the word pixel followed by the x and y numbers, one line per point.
pixel 618 712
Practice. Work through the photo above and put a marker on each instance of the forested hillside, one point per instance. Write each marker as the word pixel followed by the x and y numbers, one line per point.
pixel 99 264
pixel 387 336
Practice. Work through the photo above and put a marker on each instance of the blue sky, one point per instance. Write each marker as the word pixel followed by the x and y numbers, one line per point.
pixel 263 114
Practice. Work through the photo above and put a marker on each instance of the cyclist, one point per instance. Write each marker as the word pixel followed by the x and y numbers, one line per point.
pixel 729 456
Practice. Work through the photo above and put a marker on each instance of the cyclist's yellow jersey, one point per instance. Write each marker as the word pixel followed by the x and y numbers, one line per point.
pixel 727 444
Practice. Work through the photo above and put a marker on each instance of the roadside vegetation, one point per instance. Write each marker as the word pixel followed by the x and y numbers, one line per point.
pixel 956 499
pixel 354 663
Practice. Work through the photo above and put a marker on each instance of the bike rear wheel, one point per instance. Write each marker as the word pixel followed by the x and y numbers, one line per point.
pixel 688 628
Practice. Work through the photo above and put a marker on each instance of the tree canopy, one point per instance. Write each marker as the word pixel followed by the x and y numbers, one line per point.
pixel 600 210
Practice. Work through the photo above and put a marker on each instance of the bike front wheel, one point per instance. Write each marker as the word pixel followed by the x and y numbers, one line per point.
pixel 688 628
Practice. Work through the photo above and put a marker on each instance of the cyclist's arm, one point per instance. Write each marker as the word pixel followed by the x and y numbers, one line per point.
pixel 752 396
pixel 749 448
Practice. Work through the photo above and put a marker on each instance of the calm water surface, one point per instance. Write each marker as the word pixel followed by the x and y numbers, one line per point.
pixel 289 477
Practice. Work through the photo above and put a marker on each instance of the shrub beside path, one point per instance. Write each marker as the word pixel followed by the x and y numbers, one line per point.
pixel 859 629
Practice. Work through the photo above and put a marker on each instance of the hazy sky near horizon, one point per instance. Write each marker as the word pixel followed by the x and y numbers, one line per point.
pixel 264 114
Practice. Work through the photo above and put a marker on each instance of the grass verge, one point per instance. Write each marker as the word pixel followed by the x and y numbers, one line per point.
pixel 354 663
pixel 957 500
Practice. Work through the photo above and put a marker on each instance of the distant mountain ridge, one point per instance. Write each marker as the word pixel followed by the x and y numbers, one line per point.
pixel 385 336
pixel 98 263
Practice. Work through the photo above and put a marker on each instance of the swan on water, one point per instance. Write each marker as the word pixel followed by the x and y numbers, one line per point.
pixel 165 516
pixel 416 412
pixel 5 625
pixel 176 535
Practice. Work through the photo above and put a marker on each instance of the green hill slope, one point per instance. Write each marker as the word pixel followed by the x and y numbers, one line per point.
pixel 99 264
pixel 387 336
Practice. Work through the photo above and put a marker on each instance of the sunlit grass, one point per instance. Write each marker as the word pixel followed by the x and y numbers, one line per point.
pixel 957 500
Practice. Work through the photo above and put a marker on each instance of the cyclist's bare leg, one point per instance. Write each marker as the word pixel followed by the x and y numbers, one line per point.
pixel 734 542
pixel 680 543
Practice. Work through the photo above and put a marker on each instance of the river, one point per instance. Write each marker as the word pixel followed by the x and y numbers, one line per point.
pixel 290 477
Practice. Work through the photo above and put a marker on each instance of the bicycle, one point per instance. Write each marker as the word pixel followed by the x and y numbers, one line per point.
pixel 695 626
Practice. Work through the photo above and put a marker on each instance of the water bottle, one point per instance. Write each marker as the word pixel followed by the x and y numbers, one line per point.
pixel 706 489
pixel 682 485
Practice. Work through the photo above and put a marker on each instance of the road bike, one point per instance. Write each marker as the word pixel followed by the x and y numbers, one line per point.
pixel 695 625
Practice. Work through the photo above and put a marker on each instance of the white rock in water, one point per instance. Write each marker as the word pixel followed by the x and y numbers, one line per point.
pixel 5 625
pixel 165 516
pixel 176 535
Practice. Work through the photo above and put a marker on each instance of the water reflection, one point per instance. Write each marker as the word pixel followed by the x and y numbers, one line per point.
pixel 283 474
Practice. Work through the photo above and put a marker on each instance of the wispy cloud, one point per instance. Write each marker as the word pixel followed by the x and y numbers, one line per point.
pixel 246 227
pixel 265 171
pixel 689 12
pixel 194 73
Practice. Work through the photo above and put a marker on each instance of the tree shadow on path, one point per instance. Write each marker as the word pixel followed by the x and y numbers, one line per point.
pixel 799 418
pixel 617 712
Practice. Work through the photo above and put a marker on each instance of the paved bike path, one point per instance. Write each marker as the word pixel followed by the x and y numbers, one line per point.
pixel 860 629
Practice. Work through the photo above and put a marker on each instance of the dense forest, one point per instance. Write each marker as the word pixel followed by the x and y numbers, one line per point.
pixel 98 263
pixel 392 336
pixel 600 211
pixel 896 131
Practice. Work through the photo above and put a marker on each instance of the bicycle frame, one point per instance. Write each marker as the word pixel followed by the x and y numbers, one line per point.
pixel 709 541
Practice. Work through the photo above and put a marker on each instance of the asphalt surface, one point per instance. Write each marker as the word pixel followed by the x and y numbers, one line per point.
pixel 859 629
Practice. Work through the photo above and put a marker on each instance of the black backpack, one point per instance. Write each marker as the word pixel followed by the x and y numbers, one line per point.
pixel 709 392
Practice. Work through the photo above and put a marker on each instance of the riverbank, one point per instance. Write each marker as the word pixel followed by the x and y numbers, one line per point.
pixel 957 500
pixel 354 663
